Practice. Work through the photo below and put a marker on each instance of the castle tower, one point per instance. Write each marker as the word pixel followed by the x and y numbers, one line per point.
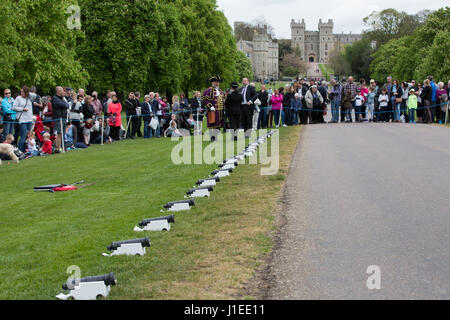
pixel 298 36
pixel 326 40
pixel 261 54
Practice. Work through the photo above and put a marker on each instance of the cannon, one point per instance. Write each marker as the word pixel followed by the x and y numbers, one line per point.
pixel 156 224
pixel 200 192
pixel 182 205
pixel 227 166
pixel 135 247
pixel 230 161
pixel 222 173
pixel 207 182
pixel 88 288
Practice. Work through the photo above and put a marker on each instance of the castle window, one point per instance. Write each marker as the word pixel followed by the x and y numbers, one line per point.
pixel 326 46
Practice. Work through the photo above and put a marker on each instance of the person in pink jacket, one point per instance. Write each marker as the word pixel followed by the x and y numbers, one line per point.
pixel 115 118
pixel 277 105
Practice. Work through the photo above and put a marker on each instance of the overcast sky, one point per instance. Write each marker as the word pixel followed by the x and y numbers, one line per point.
pixel 346 14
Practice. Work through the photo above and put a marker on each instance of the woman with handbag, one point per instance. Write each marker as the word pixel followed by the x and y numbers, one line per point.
pixel 24 108
pixel 9 115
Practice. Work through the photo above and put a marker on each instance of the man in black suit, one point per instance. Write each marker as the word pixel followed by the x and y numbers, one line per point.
pixel 249 94
pixel 233 107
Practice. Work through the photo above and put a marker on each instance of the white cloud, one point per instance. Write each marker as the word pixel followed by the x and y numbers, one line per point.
pixel 346 14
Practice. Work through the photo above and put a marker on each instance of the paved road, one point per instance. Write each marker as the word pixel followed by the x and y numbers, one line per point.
pixel 313 70
pixel 366 194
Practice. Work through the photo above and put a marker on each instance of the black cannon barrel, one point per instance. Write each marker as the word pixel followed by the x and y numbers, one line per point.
pixel 191 203
pixel 224 164
pixel 217 171
pixel 210 188
pixel 109 279
pixel 170 219
pixel 144 241
pixel 209 179
pixel 191 191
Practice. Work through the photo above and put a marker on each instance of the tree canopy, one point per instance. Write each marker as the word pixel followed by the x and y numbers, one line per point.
pixel 123 45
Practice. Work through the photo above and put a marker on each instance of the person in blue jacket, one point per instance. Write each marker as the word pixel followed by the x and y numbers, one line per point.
pixel 9 115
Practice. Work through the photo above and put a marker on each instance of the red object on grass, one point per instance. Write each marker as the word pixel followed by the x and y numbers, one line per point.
pixel 65 188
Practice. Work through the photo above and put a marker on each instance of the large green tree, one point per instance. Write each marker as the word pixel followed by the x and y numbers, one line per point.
pixel 119 43
pixel 9 54
pixel 40 45
pixel 423 53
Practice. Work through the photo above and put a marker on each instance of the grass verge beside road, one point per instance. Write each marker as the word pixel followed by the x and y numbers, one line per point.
pixel 210 252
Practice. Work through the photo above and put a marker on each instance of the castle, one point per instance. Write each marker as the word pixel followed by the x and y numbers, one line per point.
pixel 263 53
pixel 315 46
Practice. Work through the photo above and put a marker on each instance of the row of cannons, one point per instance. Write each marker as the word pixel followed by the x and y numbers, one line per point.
pixel 91 288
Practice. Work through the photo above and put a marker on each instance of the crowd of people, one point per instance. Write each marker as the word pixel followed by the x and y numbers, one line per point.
pixel 306 102
pixel 35 126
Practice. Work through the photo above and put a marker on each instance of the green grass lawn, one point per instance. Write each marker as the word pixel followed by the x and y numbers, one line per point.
pixel 210 252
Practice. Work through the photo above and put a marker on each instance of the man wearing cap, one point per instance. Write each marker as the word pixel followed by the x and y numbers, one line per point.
pixel 213 100
pixel 233 107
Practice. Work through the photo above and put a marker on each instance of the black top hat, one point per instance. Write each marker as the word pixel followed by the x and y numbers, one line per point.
pixel 215 78
pixel 234 85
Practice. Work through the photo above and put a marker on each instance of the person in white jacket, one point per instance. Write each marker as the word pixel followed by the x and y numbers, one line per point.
pixel 23 106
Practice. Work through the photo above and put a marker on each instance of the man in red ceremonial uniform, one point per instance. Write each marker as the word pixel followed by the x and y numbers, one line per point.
pixel 213 100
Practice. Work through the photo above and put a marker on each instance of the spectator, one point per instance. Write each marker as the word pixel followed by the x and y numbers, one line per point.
pixel 2 130
pixel 277 103
pixel 9 115
pixel 76 112
pixel 412 106
pixel 24 108
pixel 32 150
pixel 426 97
pixel 347 105
pixel 37 103
pixel 88 109
pixel 420 110
pixel 137 96
pixel 176 104
pixel 115 120
pixel 359 102
pixel 184 103
pixel 96 135
pixel 397 93
pixel 371 104
pixel 335 97
pixel 131 112
pixel 441 100
pixel 435 112
pixel 314 100
pixel 263 97
pixel 351 86
pixel 96 105
pixel 146 109
pixel 296 105
pixel 47 148
pixel 7 149
pixel 60 108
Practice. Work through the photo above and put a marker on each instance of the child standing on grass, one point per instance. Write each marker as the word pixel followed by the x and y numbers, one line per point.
pixel 412 106
pixel 31 145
